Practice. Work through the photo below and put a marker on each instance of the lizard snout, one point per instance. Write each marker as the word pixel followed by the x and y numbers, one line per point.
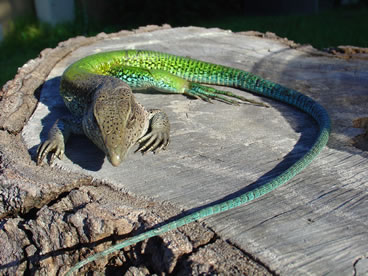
pixel 115 159
pixel 115 156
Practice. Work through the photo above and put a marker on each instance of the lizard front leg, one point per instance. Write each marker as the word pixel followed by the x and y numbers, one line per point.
pixel 158 135
pixel 57 138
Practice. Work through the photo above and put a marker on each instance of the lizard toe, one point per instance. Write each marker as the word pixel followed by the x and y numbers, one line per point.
pixel 49 146
pixel 154 141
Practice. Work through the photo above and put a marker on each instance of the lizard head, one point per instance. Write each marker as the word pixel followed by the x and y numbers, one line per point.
pixel 111 122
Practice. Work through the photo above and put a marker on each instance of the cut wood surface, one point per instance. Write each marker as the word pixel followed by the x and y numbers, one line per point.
pixel 316 224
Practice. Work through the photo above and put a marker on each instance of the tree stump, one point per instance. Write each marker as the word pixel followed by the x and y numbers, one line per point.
pixel 315 224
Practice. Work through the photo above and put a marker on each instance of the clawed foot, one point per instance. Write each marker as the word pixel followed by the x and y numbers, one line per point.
pixel 208 93
pixel 48 146
pixel 158 137
pixel 154 141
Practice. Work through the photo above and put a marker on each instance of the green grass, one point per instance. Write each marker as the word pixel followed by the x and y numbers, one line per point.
pixel 25 41
pixel 328 29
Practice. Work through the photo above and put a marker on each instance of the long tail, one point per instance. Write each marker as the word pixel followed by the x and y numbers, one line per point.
pixel 204 72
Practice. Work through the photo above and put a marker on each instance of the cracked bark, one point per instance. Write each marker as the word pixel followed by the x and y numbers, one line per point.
pixel 90 219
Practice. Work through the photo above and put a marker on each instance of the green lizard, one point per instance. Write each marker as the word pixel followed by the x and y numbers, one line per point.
pixel 97 91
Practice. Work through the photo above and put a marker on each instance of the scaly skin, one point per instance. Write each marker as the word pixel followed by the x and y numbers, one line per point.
pixel 92 90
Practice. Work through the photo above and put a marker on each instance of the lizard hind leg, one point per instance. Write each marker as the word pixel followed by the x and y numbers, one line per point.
pixel 207 93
